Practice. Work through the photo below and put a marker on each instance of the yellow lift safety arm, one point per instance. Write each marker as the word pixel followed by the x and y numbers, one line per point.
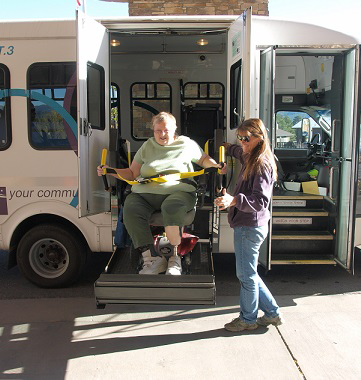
pixel 160 178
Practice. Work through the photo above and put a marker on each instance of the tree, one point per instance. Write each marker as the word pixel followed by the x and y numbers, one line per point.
pixel 285 123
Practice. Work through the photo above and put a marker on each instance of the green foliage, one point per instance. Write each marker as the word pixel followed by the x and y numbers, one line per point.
pixel 285 123
pixel 51 123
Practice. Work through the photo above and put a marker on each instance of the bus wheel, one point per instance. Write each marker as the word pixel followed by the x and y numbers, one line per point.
pixel 50 256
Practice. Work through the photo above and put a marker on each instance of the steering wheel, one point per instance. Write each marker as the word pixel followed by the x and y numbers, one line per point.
pixel 314 145
pixel 315 139
pixel 327 144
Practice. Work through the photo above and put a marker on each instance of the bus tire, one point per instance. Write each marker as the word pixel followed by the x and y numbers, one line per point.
pixel 50 256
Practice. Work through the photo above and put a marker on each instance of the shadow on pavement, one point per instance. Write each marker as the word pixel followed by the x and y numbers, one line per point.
pixel 42 330
pixel 302 280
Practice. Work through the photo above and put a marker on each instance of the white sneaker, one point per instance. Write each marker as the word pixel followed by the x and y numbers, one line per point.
pixel 153 264
pixel 174 266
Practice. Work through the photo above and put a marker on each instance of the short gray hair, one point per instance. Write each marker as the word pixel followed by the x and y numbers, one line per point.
pixel 164 117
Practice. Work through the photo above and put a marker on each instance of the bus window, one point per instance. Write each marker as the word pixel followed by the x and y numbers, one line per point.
pixel 115 106
pixel 147 100
pixel 47 128
pixel 204 93
pixel 202 111
pixel 5 130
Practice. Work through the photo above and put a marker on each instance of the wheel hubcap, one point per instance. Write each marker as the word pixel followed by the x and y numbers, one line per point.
pixel 49 258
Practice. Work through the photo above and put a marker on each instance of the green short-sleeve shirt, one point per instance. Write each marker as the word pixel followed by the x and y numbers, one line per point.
pixel 166 159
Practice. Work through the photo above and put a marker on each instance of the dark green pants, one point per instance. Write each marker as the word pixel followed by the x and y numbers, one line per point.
pixel 139 207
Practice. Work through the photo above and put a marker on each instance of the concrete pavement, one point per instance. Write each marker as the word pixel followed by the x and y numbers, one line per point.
pixel 53 334
pixel 67 338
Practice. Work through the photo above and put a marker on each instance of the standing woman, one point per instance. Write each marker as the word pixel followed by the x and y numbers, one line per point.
pixel 249 215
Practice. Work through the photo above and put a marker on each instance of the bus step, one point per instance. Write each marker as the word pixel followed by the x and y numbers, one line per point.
pixel 298 213
pixel 286 199
pixel 301 235
pixel 296 246
pixel 298 223
pixel 286 195
pixel 302 260
pixel 309 261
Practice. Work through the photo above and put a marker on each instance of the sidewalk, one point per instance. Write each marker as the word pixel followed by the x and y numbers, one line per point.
pixel 68 338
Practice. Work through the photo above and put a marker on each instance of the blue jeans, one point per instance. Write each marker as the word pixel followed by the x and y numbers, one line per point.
pixel 254 293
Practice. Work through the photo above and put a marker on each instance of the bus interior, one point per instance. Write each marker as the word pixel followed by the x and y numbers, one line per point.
pixel 182 72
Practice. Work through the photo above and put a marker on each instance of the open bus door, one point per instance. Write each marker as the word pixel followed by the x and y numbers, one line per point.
pixel 346 158
pixel 307 227
pixel 93 111
pixel 239 89
pixel 266 114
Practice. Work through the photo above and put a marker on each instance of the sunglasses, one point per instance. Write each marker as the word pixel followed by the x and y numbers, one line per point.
pixel 244 138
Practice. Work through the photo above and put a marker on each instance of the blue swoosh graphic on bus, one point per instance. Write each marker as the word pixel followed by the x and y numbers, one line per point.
pixel 45 99
pixel 51 103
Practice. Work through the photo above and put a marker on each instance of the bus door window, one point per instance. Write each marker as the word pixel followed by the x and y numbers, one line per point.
pixel 236 95
pixel 116 142
pixel 96 95
pixel 358 201
pixel 114 106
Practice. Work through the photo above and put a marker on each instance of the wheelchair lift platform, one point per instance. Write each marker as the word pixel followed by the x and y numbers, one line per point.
pixel 120 283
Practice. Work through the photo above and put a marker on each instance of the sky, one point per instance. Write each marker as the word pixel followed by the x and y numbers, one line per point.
pixel 327 13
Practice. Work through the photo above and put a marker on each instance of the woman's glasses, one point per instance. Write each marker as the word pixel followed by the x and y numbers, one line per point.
pixel 243 138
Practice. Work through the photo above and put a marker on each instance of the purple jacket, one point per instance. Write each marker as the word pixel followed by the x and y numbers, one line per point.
pixel 253 196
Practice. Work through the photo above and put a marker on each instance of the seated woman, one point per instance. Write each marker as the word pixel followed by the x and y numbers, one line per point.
pixel 165 153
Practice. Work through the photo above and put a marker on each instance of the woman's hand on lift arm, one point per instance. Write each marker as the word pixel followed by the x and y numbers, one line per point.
pixel 225 201
pixel 208 162
pixel 226 145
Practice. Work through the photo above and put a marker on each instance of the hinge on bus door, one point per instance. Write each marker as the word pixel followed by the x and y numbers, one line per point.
pixel 342 159
pixel 86 128
pixel 83 126
pixel 335 161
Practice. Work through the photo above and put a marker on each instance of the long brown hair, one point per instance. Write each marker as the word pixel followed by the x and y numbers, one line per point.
pixel 261 156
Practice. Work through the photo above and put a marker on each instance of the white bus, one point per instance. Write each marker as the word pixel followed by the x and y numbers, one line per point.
pixel 69 88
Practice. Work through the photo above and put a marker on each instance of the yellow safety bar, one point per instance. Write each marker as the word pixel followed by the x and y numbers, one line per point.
pixel 206 147
pixel 104 157
pixel 160 178
pixel 128 151
pixel 221 156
